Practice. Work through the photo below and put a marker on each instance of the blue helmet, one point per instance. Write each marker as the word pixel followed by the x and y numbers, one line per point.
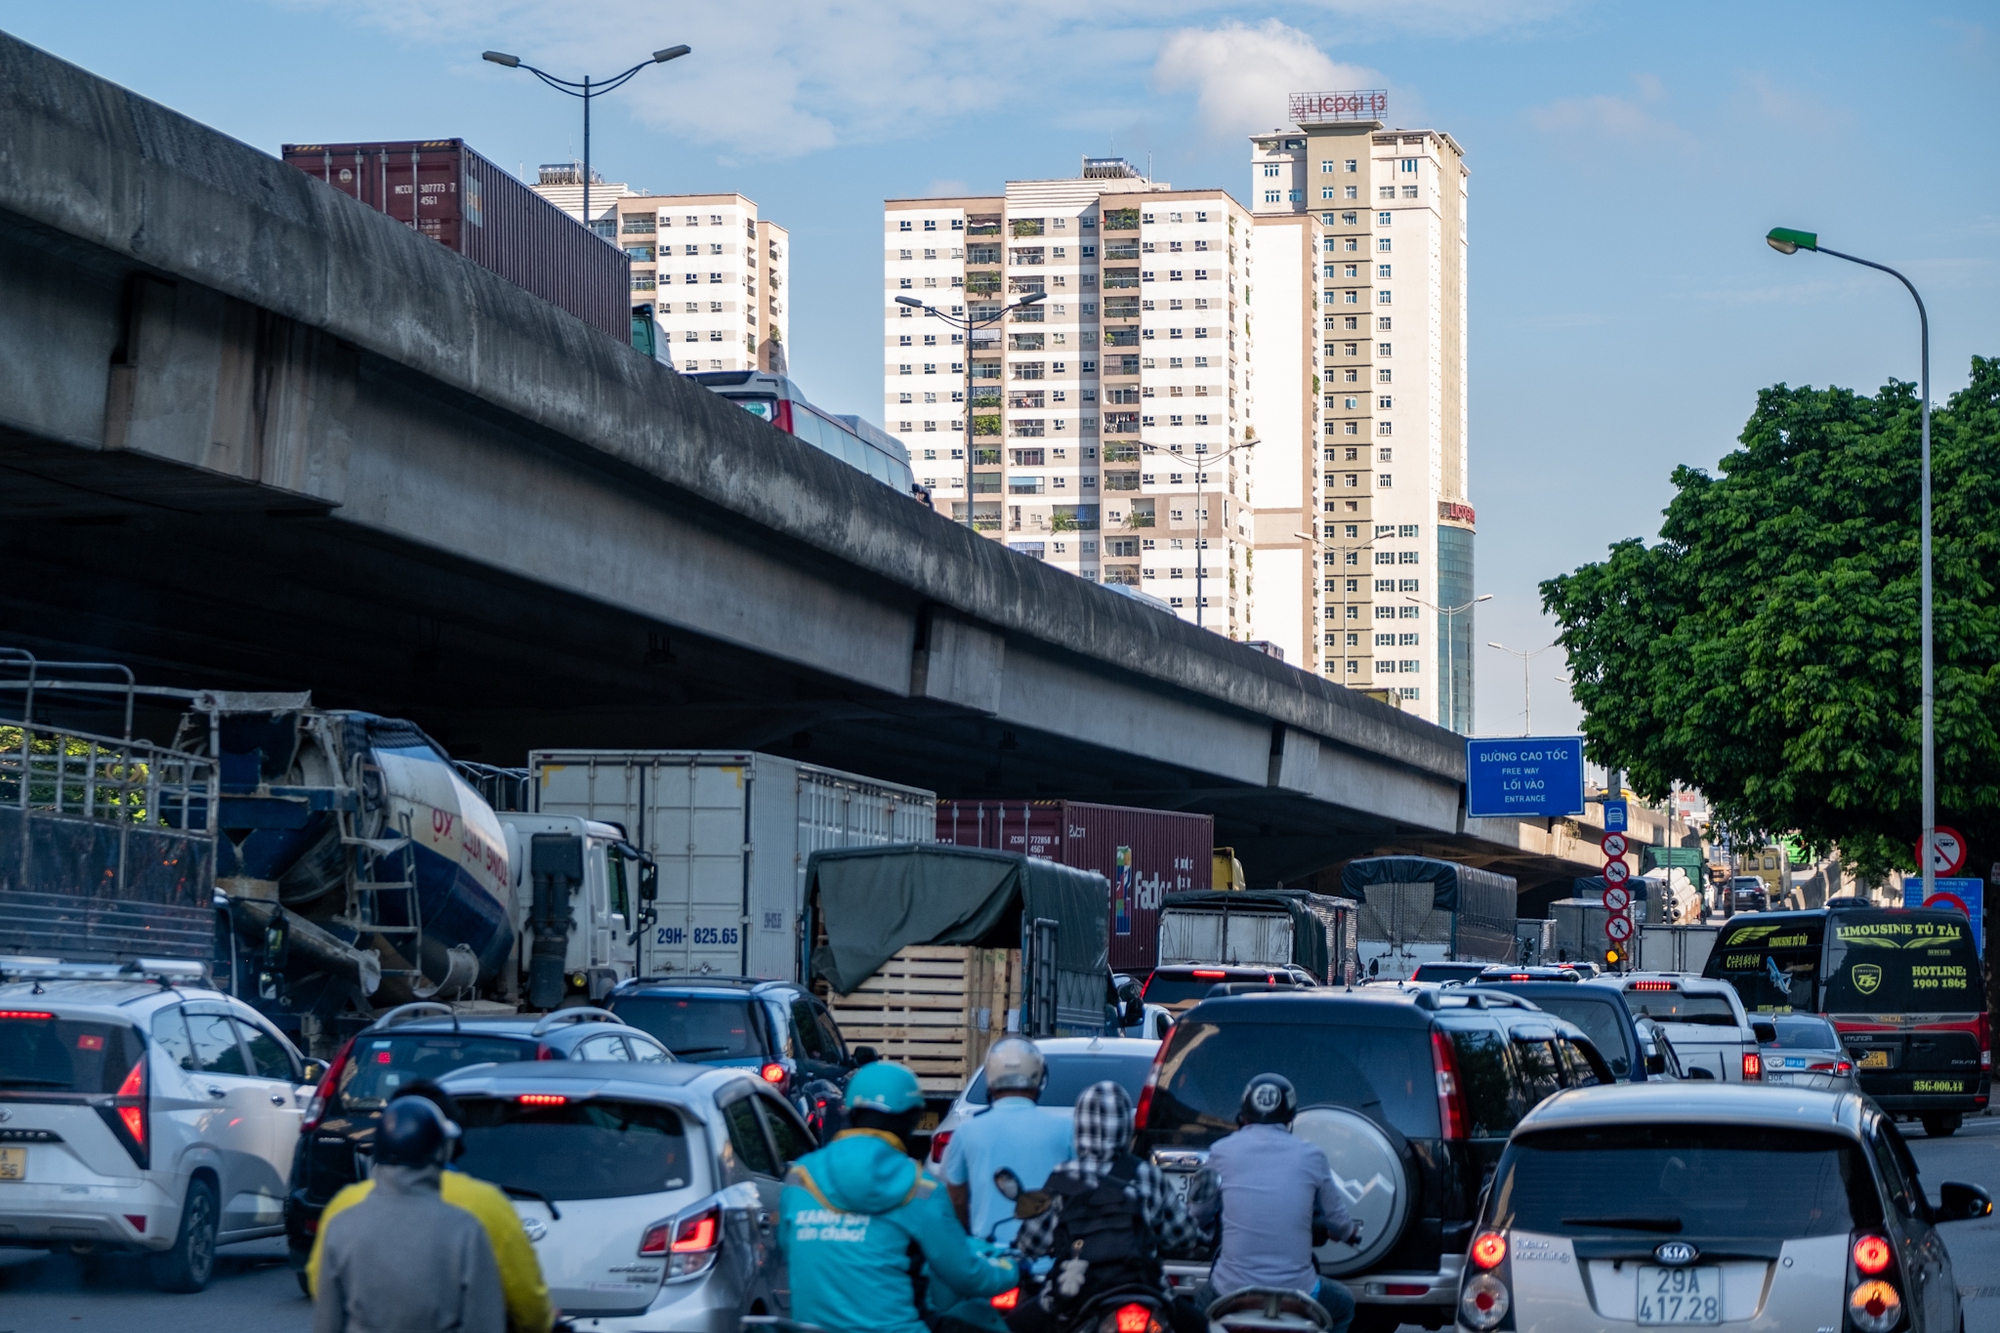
pixel 881 1086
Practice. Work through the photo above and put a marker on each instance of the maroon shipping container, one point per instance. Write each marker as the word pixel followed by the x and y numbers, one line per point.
pixel 1146 854
pixel 456 197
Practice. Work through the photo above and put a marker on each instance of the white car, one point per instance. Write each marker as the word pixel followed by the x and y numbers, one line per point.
pixel 1702 1018
pixel 142 1111
pixel 1074 1064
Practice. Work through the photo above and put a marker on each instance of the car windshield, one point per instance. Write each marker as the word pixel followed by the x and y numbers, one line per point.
pixel 1805 1034
pixel 1069 1075
pixel 1175 985
pixel 1448 971
pixel 1677 1006
pixel 1609 1030
pixel 379 1065
pixel 43 1053
pixel 696 1027
pixel 1385 1073
pixel 756 406
pixel 590 1149
pixel 1706 1182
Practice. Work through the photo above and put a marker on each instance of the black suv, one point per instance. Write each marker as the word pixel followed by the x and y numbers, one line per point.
pixel 778 1028
pixel 1410 1090
pixel 1600 1011
pixel 425 1040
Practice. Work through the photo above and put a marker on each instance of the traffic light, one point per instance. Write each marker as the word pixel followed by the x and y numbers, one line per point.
pixel 1611 957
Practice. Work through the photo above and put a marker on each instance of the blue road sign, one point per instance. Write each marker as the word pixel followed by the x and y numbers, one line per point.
pixel 1954 895
pixel 1525 775
pixel 1615 814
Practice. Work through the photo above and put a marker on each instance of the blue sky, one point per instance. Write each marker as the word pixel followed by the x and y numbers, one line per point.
pixel 1626 160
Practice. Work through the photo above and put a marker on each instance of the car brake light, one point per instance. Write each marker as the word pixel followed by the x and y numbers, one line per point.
pixel 1483 1302
pixel 1871 1255
pixel 939 1142
pixel 1206 974
pixel 138 1221
pixel 772 1072
pixel 1007 1299
pixel 1405 1289
pixel 1451 1097
pixel 542 1099
pixel 1875 1307
pixel 1983 1025
pixel 1653 985
pixel 134 1116
pixel 1489 1249
pixel 1152 1083
pixel 323 1095
pixel 697 1232
pixel 1519 976
pixel 782 417
pixel 1753 1066
pixel 1844 1067
pixel 27 1015
pixel 1133 1318
pixel 689 1243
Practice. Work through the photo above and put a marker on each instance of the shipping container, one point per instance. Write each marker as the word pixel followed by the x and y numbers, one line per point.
pixel 466 203
pixel 1417 910
pixel 1146 854
pixel 730 832
pixel 1273 927
pixel 1675 948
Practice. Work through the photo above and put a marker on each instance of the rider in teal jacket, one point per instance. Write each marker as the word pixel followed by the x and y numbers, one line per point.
pixel 852 1213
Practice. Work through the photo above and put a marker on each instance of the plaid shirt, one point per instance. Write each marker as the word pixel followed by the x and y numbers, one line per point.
pixel 1103 1127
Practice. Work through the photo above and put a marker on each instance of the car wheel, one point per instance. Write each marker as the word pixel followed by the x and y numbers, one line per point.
pixel 189 1265
pixel 1943 1126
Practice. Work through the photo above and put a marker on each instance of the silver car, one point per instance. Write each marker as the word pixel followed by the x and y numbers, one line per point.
pixel 1698 1205
pixel 1806 1052
pixel 650 1191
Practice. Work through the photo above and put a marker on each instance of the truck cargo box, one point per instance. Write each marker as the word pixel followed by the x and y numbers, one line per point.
pixel 730 832
pixel 1146 854
pixel 1417 910
pixel 445 190
pixel 1269 926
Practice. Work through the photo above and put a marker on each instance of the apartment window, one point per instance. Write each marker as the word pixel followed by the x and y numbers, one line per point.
pixel 1382 324
pixel 715 277
pixel 1409 166
pixel 1383 481
pixel 1272 196
pixel 930 224
pixel 1382 270
pixel 1352 165
pixel 1385 428
pixel 1347 298
pixel 904 340
pixel 930 367
pixel 1409 557
pixel 1201 275
pixel 1382 297
pixel 1326 168
pixel 1385 585
pixel 904 226
pixel 1384 219
pixel 1385 557
pixel 1351 349
pixel 1409 192
pixel 930 340
pixel 1295 196
pixel 1385 641
pixel 1387 192
pixel 904 254
pixel 1384 349
pixel 1384 612
pixel 1382 376
pixel 1326 192
pixel 1353 479
pixel 1350 428
pixel 1349 376
pixel 1351 322
pixel 1386 403
pixel 1382 244
pixel 904 398
pixel 1351 244
pixel 1351 192
pixel 715 335
pixel 1407 530
pixel 1271 169
pixel 1173 275
pixel 903 369
pixel 1409 612
pixel 1350 219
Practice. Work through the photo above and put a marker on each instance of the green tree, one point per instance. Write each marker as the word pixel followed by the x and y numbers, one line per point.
pixel 1765 649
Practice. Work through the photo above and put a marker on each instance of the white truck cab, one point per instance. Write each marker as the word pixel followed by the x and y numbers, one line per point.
pixel 596 889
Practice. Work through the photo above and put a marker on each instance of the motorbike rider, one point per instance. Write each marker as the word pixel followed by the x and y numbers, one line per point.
pixel 1267 1184
pixel 857 1215
pixel 527 1295
pixel 1010 1132
pixel 403 1260
pixel 1109 1216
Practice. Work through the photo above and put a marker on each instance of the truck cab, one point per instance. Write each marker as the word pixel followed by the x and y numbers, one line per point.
pixel 598 887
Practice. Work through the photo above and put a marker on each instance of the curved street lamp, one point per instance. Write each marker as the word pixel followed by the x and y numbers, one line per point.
pixel 1344 549
pixel 966 324
pixel 1527 701
pixel 586 90
pixel 1200 466
pixel 1787 241
pixel 1450 642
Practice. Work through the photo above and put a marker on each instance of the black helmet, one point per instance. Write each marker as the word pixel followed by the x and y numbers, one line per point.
pixel 431 1092
pixel 1268 1099
pixel 413 1132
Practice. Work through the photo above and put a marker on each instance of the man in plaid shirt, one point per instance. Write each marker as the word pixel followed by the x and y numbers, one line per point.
pixel 1103 1135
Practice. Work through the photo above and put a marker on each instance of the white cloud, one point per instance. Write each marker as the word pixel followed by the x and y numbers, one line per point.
pixel 1240 75
pixel 1462 18
pixel 1614 117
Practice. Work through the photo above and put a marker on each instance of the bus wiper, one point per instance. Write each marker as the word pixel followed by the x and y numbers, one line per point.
pixel 1665 1224
pixel 555 1214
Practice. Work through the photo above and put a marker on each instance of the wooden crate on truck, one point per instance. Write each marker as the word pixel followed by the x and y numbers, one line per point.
pixel 935 1009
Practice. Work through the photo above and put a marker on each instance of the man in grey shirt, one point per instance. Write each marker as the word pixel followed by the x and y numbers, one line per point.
pixel 1266 1185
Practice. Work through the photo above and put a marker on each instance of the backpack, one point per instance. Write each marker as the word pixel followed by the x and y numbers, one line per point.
pixel 1105 1228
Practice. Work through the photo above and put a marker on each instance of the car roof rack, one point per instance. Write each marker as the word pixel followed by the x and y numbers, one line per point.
pixel 579 1014
pixel 166 971
pixel 704 979
pixel 416 1013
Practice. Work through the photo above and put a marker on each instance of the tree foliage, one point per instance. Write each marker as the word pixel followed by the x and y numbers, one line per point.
pixel 1766 649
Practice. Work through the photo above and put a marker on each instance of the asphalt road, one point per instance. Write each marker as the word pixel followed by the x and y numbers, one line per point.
pixel 254 1290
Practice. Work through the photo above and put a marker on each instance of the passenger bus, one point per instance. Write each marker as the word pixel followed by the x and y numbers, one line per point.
pixel 1903 987
pixel 860 444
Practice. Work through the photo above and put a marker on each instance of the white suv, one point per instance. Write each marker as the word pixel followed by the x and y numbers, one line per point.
pixel 142 1111
pixel 1702 1018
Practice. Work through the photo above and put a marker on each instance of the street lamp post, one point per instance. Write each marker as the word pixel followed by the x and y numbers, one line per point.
pixel 1787 241
pixel 1200 510
pixel 1343 548
pixel 966 324
pixel 1450 665
pixel 586 90
pixel 1527 702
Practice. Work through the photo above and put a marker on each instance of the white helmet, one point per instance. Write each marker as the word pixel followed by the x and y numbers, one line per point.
pixel 1015 1065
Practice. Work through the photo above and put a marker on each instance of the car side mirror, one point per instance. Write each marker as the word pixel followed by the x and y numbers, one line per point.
pixel 1656 1063
pixel 1133 1014
pixel 865 1055
pixel 1007 1183
pixel 1699 1073
pixel 1959 1202
pixel 314 1071
pixel 1767 1033
pixel 649 882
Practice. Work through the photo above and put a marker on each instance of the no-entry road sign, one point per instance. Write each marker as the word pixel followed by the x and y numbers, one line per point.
pixel 1618 929
pixel 1615 846
pixel 1947 851
pixel 1616 872
pixel 1617 898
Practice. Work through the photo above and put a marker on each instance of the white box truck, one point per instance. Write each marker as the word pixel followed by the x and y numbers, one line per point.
pixel 729 832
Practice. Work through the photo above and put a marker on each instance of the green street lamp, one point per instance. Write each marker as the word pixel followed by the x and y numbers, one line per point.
pixel 1786 241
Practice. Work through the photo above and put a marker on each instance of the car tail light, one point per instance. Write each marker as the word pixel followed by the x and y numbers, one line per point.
pixel 1007 1299
pixel 689 1243
pixel 323 1095
pixel 27 1015
pixel 1652 985
pixel 129 1115
pixel 773 1073
pixel 1405 1289
pixel 1753 1067
pixel 1983 1025
pixel 1483 1301
pixel 939 1142
pixel 1519 976
pixel 1152 1085
pixel 1451 1096
pixel 1130 1318
pixel 781 416
pixel 542 1099
pixel 138 1221
pixel 1872 1255
pixel 1843 1067
pixel 1206 974
pixel 1489 1249
pixel 1875 1307
pixel 544 1051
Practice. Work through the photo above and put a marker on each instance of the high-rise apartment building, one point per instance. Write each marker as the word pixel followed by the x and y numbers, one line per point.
pixel 1109 420
pixel 1395 524
pixel 709 271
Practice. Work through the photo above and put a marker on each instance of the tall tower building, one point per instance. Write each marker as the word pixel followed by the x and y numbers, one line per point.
pixel 1109 421
pixel 1396 521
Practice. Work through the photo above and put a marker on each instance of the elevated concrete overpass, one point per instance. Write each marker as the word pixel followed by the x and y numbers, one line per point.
pixel 256 435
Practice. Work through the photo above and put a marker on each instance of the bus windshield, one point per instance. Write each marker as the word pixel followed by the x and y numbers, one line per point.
pixel 1772 961
pixel 1851 962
